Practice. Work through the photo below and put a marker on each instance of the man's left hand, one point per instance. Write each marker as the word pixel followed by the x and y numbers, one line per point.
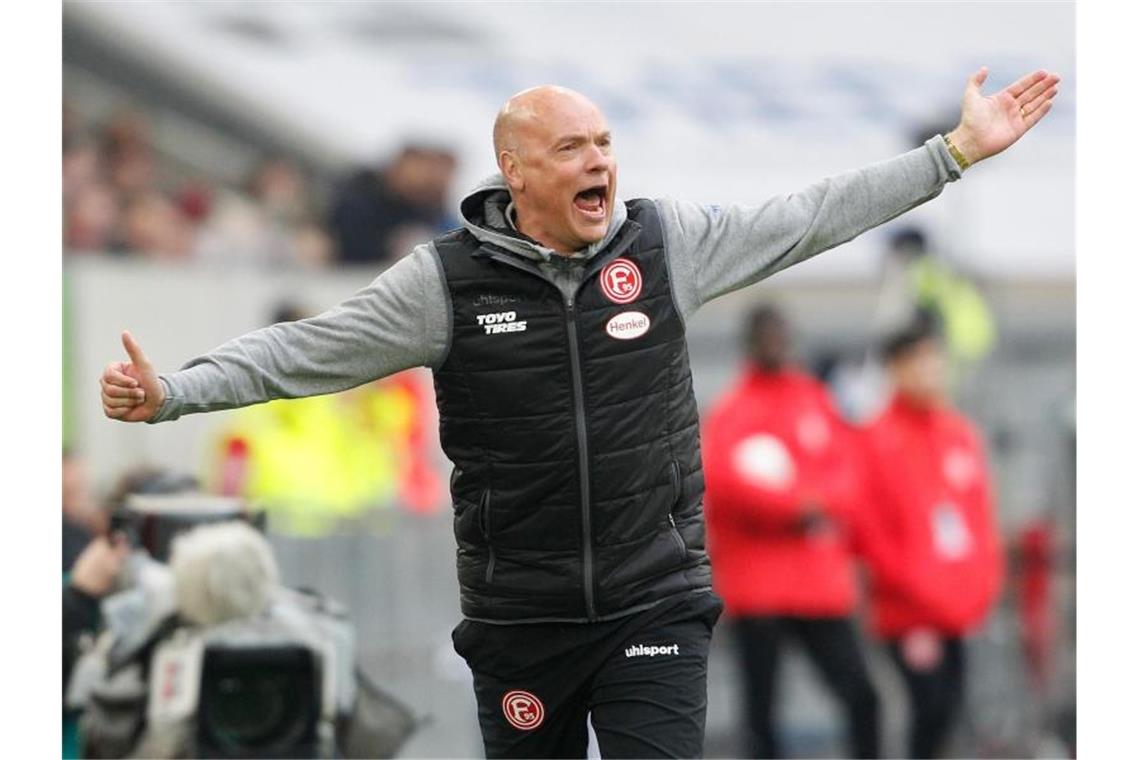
pixel 991 123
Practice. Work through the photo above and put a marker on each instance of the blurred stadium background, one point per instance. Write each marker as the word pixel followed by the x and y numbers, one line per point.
pixel 217 155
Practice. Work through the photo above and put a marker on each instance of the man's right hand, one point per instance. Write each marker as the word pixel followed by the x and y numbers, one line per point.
pixel 131 391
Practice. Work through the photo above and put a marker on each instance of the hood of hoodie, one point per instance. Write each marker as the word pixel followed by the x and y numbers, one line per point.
pixel 484 214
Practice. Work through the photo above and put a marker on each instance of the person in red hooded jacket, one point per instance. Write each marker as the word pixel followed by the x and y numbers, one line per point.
pixel 927 532
pixel 781 479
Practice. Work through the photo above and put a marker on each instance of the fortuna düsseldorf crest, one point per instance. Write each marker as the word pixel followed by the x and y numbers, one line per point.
pixel 621 280
pixel 523 710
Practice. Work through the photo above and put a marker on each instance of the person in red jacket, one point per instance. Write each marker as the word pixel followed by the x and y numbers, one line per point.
pixel 780 481
pixel 928 533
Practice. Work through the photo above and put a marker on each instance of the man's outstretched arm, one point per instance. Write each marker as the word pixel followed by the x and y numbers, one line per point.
pixel 713 251
pixel 398 321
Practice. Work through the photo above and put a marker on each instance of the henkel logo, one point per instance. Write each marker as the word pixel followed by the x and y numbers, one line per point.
pixel 627 325
pixel 621 280
pixel 523 710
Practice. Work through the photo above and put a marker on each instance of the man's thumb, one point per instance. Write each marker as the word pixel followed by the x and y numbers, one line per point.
pixel 138 358
pixel 977 78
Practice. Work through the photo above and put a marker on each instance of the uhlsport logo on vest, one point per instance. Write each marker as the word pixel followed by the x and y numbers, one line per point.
pixel 643 650
pixel 523 710
pixel 621 280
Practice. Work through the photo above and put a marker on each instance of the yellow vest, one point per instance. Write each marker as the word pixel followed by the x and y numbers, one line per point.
pixel 315 461
pixel 966 320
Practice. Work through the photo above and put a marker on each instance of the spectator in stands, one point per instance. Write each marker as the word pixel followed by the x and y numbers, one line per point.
pixel 156 228
pixel 312 245
pixel 928 532
pixel 82 166
pixel 781 477
pixel 92 215
pixel 269 225
pixel 128 152
pixel 195 199
pixel 91 206
pixel 113 202
pixel 379 216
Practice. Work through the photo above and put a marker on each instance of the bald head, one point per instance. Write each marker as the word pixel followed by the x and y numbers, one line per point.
pixel 552 146
pixel 530 111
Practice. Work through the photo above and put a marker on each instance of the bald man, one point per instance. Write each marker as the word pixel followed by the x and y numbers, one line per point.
pixel 554 324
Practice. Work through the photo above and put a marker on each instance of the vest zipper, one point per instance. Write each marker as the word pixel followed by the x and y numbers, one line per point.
pixel 583 460
pixel 485 524
pixel 675 478
pixel 579 396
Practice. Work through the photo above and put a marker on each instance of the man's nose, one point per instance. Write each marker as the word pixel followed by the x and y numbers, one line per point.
pixel 596 158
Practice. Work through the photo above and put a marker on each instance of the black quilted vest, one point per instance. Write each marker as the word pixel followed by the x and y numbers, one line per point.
pixel 573 429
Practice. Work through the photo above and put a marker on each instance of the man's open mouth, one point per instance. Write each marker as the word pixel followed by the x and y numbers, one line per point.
pixel 592 201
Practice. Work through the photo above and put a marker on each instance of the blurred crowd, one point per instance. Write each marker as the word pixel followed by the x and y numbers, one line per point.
pixel 123 197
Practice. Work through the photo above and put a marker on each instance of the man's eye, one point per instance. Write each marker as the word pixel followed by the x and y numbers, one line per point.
pixel 567 147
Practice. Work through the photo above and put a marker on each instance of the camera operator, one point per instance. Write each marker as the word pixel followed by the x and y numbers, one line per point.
pixel 210 656
pixel 94 554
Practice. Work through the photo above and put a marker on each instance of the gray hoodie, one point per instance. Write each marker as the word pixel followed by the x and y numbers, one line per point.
pixel 401 319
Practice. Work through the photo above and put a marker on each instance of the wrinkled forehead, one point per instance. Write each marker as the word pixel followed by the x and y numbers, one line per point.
pixel 558 116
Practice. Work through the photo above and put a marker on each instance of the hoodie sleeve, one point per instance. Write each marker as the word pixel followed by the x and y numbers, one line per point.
pixel 713 251
pixel 398 321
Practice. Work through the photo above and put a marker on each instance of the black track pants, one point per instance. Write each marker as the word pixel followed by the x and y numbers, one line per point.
pixel 833 647
pixel 935 697
pixel 642 680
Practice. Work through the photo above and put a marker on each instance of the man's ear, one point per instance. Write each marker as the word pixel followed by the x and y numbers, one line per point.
pixel 511 169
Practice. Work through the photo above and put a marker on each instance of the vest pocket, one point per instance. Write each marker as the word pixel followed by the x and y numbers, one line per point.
pixel 485 526
pixel 675 479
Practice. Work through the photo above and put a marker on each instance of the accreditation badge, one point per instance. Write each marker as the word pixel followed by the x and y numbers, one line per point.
pixel 952 539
